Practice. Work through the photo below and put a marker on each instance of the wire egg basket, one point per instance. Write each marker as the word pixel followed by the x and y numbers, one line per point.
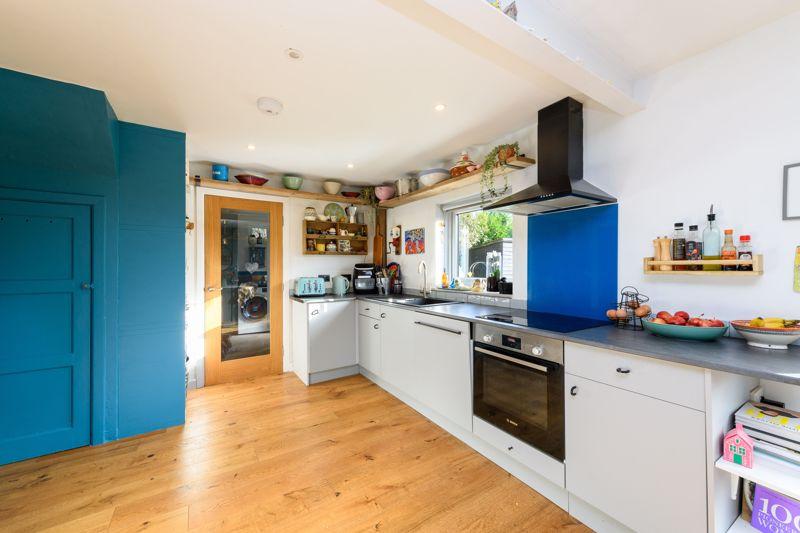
pixel 630 301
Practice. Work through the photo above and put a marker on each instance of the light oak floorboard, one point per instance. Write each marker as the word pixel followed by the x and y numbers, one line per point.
pixel 269 454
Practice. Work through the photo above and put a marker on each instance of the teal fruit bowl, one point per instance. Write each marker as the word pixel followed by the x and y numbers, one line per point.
pixel 689 333
pixel 293 182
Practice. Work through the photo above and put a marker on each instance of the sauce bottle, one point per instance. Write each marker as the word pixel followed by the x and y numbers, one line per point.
pixel 712 240
pixel 745 251
pixel 679 245
pixel 694 246
pixel 729 250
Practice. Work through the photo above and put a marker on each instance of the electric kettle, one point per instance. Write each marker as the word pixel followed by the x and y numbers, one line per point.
pixel 340 285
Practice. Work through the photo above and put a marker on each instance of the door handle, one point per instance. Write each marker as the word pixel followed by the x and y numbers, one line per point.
pixel 375 326
pixel 87 286
pixel 624 370
pixel 448 330
pixel 573 391
pixel 315 312
pixel 212 289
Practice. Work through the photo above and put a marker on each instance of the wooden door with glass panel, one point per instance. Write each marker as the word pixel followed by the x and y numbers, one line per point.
pixel 243 289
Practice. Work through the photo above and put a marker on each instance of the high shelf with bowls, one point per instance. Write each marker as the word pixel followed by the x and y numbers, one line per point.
pixel 318 232
pixel 653 267
pixel 275 191
pixel 510 165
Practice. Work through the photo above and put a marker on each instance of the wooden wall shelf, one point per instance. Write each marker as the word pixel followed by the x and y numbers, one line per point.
pixel 652 267
pixel 358 244
pixel 512 164
pixel 274 191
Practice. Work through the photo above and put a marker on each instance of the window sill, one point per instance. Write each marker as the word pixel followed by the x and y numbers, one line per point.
pixel 474 293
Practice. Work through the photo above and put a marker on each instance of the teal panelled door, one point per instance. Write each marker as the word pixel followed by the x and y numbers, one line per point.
pixel 45 328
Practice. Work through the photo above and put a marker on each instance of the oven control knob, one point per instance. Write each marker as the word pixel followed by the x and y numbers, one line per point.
pixel 487 338
pixel 537 350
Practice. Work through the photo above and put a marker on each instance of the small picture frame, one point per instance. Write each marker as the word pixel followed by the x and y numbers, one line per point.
pixel 791 192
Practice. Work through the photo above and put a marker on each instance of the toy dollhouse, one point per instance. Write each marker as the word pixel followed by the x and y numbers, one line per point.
pixel 737 447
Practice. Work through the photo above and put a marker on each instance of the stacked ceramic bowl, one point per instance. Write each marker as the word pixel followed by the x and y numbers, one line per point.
pixel 432 176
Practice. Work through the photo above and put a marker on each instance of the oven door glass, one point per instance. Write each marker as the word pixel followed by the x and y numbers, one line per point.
pixel 523 396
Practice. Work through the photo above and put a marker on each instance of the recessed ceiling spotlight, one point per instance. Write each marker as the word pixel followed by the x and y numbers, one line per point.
pixel 439 107
pixel 294 54
pixel 251 146
pixel 270 106
pixel 350 165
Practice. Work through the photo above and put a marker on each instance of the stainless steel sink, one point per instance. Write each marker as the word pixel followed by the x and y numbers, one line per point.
pixel 416 301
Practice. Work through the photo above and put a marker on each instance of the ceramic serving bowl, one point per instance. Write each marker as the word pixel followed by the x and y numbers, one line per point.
pixel 251 179
pixel 351 194
pixel 384 192
pixel 772 338
pixel 331 187
pixel 432 176
pixel 690 333
pixel 293 182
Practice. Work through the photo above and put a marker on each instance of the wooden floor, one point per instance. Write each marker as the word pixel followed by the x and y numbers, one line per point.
pixel 272 455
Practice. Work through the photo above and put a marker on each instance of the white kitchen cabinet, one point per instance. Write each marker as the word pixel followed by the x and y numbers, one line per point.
pixel 636 458
pixel 399 349
pixel 369 344
pixel 443 369
pixel 323 340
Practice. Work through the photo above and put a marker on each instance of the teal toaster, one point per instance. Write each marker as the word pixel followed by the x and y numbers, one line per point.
pixel 309 287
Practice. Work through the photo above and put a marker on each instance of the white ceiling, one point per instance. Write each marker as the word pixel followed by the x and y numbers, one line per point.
pixel 364 92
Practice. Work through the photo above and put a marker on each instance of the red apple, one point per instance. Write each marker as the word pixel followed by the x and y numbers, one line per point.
pixel 659 321
pixel 677 321
pixel 695 322
pixel 714 323
pixel 705 323
pixel 683 314
pixel 664 315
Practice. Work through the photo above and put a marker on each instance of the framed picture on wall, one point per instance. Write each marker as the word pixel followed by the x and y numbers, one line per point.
pixel 415 241
pixel 791 192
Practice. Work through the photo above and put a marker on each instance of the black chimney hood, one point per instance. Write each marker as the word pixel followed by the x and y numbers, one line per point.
pixel 560 167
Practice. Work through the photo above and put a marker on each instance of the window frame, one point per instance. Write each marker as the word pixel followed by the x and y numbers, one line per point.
pixel 450 214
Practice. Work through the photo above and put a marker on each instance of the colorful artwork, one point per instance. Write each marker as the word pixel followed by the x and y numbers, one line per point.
pixel 415 241
pixel 737 447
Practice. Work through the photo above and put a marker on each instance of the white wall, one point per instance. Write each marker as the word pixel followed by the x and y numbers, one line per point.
pixel 295 265
pixel 718 128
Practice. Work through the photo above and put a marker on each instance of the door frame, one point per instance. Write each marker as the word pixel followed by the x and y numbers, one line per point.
pixel 102 324
pixel 217 371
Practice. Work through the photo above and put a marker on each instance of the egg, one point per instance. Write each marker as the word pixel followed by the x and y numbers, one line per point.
pixel 611 313
pixel 621 313
pixel 633 304
pixel 642 311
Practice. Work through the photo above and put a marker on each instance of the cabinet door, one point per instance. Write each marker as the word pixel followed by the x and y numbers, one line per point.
pixel 637 459
pixel 369 344
pixel 444 377
pixel 399 349
pixel 331 335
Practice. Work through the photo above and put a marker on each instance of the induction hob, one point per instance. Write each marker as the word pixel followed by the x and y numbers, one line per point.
pixel 546 321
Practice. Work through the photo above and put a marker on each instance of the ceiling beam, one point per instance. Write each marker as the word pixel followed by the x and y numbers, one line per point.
pixel 548 50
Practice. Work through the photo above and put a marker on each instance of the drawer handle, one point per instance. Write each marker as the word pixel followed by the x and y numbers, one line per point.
pixel 383 315
pixel 574 390
pixel 440 328
pixel 375 326
pixel 315 312
pixel 624 370
pixel 366 309
pixel 510 448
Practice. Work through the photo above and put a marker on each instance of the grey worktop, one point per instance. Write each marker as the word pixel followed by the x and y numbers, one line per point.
pixel 325 298
pixel 726 354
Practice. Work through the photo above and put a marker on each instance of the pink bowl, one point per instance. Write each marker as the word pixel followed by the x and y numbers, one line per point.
pixel 249 179
pixel 384 192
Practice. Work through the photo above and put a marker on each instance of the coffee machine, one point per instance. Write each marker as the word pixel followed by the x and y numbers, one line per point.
pixel 364 279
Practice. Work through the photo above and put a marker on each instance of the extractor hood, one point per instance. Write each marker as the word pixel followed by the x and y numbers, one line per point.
pixel 560 167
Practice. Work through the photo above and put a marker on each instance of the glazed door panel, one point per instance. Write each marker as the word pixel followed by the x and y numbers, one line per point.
pixel 243 289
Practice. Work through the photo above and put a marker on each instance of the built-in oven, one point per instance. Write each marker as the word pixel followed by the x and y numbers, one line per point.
pixel 518 385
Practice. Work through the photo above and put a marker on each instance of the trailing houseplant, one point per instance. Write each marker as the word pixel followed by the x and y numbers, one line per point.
pixel 368 194
pixel 494 159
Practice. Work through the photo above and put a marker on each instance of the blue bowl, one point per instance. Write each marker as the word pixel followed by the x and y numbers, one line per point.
pixel 689 333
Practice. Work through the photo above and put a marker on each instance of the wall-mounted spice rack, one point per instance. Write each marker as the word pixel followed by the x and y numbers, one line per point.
pixel 654 267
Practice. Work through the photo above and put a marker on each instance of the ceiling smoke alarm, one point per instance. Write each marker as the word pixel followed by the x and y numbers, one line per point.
pixel 270 106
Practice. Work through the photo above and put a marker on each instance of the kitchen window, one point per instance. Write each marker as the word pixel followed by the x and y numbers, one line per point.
pixel 478 243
